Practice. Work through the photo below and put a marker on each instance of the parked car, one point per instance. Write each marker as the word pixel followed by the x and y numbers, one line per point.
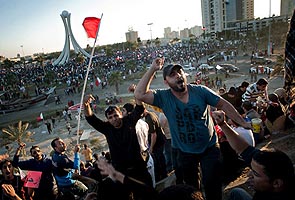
pixel 260 60
pixel 261 69
pixel 188 68
pixel 227 67
pixel 205 66
pixel 215 58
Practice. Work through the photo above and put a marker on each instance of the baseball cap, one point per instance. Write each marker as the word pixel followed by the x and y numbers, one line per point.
pixel 169 69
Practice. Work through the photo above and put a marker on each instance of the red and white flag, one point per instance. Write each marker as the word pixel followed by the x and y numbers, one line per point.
pixel 97 81
pixel 41 116
pixel 91 25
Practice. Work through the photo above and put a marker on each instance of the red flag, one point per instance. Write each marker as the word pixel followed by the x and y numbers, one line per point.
pixel 91 25
pixel 97 81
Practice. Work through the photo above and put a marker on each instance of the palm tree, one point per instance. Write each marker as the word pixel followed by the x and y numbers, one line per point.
pixel 40 59
pixel 130 65
pixel 80 59
pixel 17 132
pixel 11 79
pixel 7 64
pixel 149 43
pixel 192 39
pixel 157 42
pixel 115 79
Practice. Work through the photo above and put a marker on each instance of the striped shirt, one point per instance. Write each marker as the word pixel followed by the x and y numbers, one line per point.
pixel 252 93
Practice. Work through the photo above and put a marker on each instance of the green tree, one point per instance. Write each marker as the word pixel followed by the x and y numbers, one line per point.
pixel 80 58
pixel 49 77
pixel 130 65
pixel 17 132
pixel 11 79
pixel 139 42
pixel 149 43
pixel 7 64
pixel 41 59
pixel 116 79
pixel 192 39
pixel 157 42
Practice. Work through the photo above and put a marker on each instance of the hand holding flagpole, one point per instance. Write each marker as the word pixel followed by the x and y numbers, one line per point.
pixel 91 26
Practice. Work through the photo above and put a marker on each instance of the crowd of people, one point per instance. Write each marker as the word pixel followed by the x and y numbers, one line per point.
pixel 205 137
pixel 73 73
pixel 184 134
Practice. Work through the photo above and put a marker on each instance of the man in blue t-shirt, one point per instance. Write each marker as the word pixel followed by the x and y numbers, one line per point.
pixel 187 108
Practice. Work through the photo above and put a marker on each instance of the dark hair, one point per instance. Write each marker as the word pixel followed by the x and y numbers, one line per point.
pixel 129 107
pixel 232 91
pixel 4 161
pixel 34 147
pixel 273 97
pixel 96 156
pixel 110 109
pixel 277 165
pixel 247 105
pixel 262 81
pixel 245 84
pixel 53 142
pixel 88 164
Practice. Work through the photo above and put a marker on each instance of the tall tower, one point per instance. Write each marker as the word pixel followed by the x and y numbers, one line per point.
pixel 65 54
pixel 213 16
pixel 287 7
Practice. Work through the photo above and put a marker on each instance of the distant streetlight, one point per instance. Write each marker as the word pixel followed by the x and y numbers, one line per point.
pixel 150 24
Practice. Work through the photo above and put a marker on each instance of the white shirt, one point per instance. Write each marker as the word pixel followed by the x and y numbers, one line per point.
pixel 142 131
pixel 247 134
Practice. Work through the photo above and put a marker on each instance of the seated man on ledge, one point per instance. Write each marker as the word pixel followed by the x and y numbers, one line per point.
pixel 272 170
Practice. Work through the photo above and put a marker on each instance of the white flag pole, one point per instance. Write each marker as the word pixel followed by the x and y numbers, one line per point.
pixel 85 81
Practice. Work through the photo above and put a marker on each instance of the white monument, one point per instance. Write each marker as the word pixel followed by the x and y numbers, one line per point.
pixel 65 54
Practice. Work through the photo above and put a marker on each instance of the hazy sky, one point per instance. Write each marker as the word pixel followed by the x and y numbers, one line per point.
pixel 36 25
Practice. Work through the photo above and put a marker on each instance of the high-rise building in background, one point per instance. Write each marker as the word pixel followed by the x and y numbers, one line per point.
pixel 220 15
pixel 213 16
pixel 131 36
pixel 287 7
pixel 247 9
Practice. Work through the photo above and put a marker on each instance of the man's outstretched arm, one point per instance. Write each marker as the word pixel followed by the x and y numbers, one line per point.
pixel 238 143
pixel 232 113
pixel 142 91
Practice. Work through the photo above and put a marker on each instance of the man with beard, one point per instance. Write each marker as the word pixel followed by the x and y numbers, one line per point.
pixel 187 108
pixel 123 144
pixel 272 175
pixel 40 162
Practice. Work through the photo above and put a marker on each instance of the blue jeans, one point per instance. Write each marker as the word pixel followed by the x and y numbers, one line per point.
pixel 210 164
pixel 239 194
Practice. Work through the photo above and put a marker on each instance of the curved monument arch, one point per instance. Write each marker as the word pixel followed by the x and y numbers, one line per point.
pixel 65 54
